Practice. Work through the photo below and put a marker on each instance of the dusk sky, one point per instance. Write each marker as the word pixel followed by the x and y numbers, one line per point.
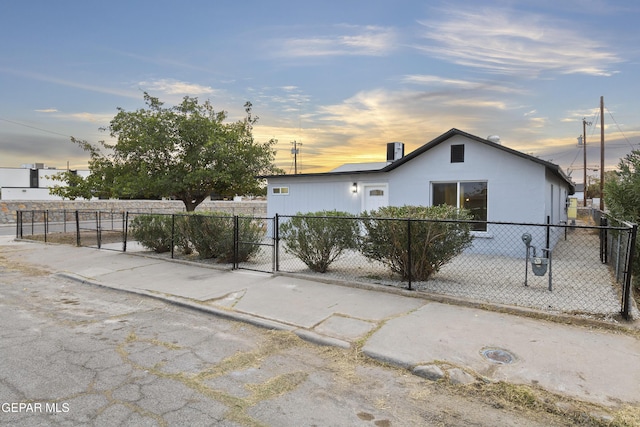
pixel 341 77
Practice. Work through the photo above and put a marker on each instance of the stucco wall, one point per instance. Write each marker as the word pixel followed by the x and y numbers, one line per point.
pixel 8 208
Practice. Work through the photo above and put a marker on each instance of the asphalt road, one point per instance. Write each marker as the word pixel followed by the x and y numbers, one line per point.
pixel 74 354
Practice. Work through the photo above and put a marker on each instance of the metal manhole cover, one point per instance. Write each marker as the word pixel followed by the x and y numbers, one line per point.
pixel 497 355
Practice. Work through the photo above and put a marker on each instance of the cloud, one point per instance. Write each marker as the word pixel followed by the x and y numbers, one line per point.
pixel 515 43
pixel 176 87
pixel 90 117
pixel 455 85
pixel 47 110
pixel 353 40
pixel 55 151
pixel 74 84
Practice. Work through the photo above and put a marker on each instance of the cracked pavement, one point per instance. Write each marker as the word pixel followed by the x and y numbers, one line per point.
pixel 75 354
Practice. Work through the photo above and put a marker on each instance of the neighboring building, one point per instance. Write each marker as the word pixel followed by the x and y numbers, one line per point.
pixel 579 194
pixel 30 182
pixel 494 182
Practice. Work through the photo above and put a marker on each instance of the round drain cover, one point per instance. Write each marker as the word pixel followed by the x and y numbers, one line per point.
pixel 497 355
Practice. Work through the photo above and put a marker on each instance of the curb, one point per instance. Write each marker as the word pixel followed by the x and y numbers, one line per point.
pixel 304 334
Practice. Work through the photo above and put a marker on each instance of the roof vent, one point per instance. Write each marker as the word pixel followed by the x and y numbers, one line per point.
pixel 494 138
pixel 395 151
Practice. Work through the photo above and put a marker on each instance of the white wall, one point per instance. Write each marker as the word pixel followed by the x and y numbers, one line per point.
pixel 14 177
pixel 15 183
pixel 27 194
pixel 515 186
pixel 309 194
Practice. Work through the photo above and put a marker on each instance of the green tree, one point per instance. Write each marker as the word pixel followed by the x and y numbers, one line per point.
pixel 185 152
pixel 622 197
pixel 593 190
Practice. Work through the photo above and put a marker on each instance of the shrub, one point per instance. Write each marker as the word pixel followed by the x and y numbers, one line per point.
pixel 152 231
pixel 211 234
pixel 434 242
pixel 251 231
pixel 319 238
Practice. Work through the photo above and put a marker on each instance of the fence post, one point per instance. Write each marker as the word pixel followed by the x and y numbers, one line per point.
pixel 125 228
pixel 627 291
pixel 18 223
pixel 46 224
pixel 77 228
pixel 276 237
pixel 409 260
pixel 548 232
pixel 603 239
pixel 236 241
pixel 173 234
pixel 98 233
pixel 273 250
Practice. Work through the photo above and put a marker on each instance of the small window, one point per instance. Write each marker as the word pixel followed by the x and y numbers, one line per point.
pixel 457 153
pixel 280 191
pixel 376 193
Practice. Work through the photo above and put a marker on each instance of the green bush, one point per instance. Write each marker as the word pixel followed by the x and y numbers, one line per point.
pixel 251 231
pixel 319 238
pixel 433 243
pixel 211 234
pixel 152 231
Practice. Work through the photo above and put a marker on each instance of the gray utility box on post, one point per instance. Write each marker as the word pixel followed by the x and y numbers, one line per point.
pixel 539 265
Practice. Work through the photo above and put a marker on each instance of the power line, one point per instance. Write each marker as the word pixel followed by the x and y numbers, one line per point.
pixel 618 126
pixel 34 127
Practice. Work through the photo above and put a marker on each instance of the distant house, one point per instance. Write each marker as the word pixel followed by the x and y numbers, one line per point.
pixel 579 194
pixel 494 182
pixel 30 182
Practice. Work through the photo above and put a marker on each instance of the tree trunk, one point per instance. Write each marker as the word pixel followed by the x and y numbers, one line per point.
pixel 191 203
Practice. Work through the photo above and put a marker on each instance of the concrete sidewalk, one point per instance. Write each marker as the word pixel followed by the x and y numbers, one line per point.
pixel 431 338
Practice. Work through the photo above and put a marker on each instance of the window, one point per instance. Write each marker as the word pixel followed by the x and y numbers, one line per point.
pixel 469 195
pixel 376 193
pixel 280 191
pixel 457 153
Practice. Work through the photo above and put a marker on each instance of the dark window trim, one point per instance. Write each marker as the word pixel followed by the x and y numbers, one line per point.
pixel 457 153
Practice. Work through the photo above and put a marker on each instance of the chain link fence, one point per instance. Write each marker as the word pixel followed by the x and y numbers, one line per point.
pixel 581 269
pixel 100 229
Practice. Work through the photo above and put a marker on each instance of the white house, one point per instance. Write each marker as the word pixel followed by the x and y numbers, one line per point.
pixel 494 182
pixel 30 182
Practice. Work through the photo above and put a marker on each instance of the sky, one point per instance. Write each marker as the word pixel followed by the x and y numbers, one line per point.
pixel 342 78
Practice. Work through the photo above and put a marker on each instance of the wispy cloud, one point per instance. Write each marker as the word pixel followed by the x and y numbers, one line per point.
pixel 458 84
pixel 350 40
pixel 176 87
pixel 90 117
pixel 47 110
pixel 70 83
pixel 509 42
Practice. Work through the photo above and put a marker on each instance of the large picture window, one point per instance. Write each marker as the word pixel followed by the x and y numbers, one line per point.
pixel 469 195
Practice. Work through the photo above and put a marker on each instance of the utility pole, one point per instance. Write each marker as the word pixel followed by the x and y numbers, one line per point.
pixel 602 153
pixel 584 149
pixel 295 151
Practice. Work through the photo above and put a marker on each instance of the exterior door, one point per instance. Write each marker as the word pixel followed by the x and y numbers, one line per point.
pixel 375 196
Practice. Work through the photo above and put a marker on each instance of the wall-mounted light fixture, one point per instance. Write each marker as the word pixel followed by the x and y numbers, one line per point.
pixel 354 187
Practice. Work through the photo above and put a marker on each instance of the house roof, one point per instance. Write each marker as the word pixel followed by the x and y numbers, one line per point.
pixel 551 167
pixel 353 167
